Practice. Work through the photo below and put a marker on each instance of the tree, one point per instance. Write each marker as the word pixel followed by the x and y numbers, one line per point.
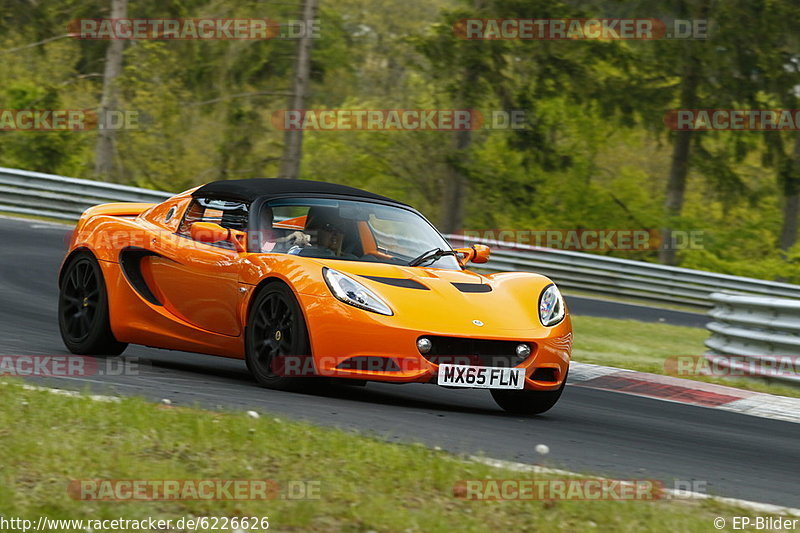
pixel 512 75
pixel 105 148
pixel 714 72
pixel 776 76
pixel 293 138
pixel 790 181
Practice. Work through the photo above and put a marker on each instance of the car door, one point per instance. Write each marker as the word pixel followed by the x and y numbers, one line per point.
pixel 198 282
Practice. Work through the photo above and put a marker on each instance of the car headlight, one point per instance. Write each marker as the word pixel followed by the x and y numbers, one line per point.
pixel 353 293
pixel 551 306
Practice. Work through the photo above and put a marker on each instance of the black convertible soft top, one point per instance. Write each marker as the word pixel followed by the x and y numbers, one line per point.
pixel 247 190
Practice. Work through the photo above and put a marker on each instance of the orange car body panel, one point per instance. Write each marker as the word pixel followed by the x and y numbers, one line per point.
pixel 202 294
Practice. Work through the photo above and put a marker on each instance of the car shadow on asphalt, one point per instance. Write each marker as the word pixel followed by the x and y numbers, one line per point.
pixel 144 369
pixel 367 393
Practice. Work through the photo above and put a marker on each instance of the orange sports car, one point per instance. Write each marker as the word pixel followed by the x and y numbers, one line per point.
pixel 311 279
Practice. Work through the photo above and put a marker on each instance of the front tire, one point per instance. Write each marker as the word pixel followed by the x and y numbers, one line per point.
pixel 276 331
pixel 528 402
pixel 83 309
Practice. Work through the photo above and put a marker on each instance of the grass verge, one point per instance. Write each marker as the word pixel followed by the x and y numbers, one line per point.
pixel 645 346
pixel 364 484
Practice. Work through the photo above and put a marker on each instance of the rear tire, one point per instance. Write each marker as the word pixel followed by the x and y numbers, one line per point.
pixel 83 309
pixel 276 329
pixel 528 402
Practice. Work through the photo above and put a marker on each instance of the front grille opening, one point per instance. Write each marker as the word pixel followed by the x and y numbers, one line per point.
pixel 545 374
pixel 366 363
pixel 475 352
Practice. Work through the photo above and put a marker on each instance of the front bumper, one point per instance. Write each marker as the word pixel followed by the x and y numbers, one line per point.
pixel 351 343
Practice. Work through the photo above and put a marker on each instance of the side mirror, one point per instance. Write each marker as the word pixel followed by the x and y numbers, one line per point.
pixel 477 253
pixel 209 232
pixel 482 253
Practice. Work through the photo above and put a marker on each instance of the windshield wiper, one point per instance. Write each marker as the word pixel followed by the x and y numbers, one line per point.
pixel 432 254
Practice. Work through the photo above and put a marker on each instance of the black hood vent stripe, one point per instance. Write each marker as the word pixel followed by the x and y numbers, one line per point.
pixel 472 287
pixel 399 282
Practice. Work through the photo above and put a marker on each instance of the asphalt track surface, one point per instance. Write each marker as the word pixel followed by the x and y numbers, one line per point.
pixel 579 305
pixel 593 431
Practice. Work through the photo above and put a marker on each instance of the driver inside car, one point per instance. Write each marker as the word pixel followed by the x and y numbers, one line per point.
pixel 269 239
pixel 327 232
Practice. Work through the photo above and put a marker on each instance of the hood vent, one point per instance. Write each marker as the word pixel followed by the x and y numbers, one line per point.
pixel 472 287
pixel 399 282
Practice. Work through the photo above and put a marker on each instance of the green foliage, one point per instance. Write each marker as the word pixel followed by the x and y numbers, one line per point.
pixel 594 152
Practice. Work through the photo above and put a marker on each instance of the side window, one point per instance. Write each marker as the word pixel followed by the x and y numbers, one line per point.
pixel 231 215
pixel 193 214
pixel 290 216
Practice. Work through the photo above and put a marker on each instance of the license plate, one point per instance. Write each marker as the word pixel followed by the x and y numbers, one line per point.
pixel 481 377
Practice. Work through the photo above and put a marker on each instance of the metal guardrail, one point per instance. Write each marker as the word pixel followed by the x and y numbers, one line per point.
pixel 614 276
pixel 755 336
pixel 47 195
pixel 35 193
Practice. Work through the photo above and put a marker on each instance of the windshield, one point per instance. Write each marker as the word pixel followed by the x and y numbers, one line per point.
pixel 349 230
